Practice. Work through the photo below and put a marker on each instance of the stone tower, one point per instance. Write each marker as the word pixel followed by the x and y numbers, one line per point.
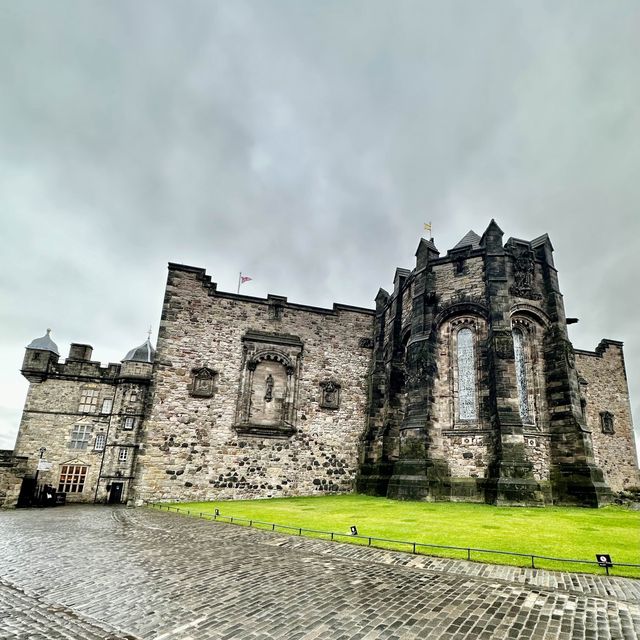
pixel 474 390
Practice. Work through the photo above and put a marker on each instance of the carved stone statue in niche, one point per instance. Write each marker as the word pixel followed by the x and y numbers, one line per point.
pixel 523 268
pixel 268 396
pixel 202 382
pixel 268 384
pixel 330 394
pixel 606 422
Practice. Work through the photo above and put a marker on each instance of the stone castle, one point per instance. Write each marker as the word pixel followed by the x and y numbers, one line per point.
pixel 462 385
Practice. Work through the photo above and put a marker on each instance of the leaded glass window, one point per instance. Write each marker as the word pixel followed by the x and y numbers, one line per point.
pixel 521 376
pixel 88 401
pixel 467 409
pixel 72 478
pixel 80 436
pixel 101 440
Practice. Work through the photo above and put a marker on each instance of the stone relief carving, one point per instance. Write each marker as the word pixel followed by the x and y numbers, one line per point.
pixel 503 341
pixel 606 422
pixel 523 269
pixel 330 394
pixel 202 382
pixel 570 354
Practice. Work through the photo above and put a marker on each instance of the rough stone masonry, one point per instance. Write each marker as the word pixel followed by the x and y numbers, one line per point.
pixel 462 384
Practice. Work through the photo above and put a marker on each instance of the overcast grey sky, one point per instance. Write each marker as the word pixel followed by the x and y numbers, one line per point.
pixel 305 143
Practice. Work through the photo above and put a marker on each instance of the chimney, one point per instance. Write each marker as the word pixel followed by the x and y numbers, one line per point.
pixel 80 352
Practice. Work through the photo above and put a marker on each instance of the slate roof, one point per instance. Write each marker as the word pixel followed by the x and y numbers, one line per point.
pixel 472 239
pixel 45 343
pixel 144 353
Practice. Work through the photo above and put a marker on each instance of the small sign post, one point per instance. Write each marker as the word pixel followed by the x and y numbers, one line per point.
pixel 43 465
pixel 604 560
pixel 354 530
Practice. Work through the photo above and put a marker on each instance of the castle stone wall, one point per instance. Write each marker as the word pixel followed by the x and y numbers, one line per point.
pixel 210 446
pixel 606 390
pixel 12 470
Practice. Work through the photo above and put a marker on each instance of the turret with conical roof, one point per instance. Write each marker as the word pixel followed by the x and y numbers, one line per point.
pixel 144 353
pixel 41 355
pixel 138 363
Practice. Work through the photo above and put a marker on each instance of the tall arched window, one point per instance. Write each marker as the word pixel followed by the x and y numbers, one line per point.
pixel 521 376
pixel 467 406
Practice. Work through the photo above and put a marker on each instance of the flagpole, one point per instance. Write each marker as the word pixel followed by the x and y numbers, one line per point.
pixel 239 281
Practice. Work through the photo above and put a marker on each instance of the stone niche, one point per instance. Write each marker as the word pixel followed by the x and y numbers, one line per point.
pixel 202 384
pixel 330 396
pixel 268 385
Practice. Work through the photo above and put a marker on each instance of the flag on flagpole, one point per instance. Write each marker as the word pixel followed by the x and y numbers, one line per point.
pixel 242 279
pixel 427 227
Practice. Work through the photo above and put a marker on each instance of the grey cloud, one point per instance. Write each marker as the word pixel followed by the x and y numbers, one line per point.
pixel 305 143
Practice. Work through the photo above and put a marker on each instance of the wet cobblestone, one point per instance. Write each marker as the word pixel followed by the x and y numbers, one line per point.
pixel 115 573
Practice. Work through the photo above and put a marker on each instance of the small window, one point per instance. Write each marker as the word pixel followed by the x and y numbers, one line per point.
pixel 123 454
pixel 80 436
pixel 107 405
pixel 101 440
pixel 129 423
pixel 72 478
pixel 88 401
pixel 134 396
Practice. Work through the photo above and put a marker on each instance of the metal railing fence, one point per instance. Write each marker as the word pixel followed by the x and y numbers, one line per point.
pixel 411 547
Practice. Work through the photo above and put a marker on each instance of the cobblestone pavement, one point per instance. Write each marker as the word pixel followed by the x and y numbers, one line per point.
pixel 117 573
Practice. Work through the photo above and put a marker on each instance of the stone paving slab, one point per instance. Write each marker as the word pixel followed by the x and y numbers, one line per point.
pixel 579 583
pixel 24 616
pixel 156 576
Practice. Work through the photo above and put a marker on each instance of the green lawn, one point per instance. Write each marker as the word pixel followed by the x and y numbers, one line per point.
pixel 552 531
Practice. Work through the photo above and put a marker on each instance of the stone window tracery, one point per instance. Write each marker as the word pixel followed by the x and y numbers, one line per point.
pixel 521 375
pixel 466 365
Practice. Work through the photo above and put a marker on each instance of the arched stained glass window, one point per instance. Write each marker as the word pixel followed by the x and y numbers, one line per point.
pixel 467 409
pixel 521 375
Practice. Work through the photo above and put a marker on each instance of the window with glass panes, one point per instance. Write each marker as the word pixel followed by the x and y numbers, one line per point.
pixel 107 405
pixel 129 423
pixel 467 405
pixel 72 478
pixel 101 440
pixel 80 436
pixel 88 401
pixel 123 454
